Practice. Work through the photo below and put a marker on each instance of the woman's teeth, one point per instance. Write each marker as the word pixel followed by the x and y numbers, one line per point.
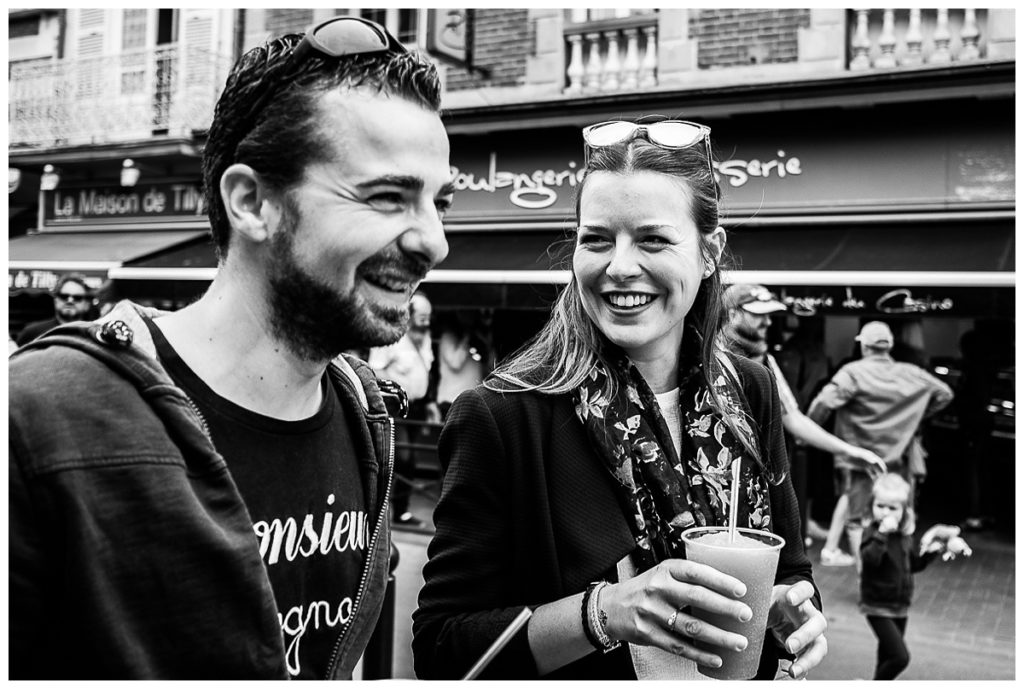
pixel 629 300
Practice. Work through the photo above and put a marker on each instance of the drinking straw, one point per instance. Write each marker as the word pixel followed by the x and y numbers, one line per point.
pixel 499 644
pixel 734 501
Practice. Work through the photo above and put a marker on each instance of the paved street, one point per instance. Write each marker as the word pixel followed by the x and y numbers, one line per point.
pixel 961 624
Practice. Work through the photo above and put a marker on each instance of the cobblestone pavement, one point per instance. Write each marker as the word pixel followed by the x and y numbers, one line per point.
pixel 961 625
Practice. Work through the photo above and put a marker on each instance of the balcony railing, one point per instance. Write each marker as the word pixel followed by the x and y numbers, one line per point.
pixel 116 98
pixel 613 54
pixel 886 39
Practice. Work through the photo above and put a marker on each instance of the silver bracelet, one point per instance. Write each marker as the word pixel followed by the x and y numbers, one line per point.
pixel 598 620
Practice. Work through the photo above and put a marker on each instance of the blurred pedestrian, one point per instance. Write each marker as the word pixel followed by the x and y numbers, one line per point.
pixel 408 363
pixel 571 474
pixel 107 296
pixel 889 560
pixel 879 404
pixel 802 359
pixel 749 309
pixel 72 301
pixel 203 494
pixel 461 356
pixel 976 388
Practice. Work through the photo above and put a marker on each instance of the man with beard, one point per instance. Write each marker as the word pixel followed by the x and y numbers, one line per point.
pixel 749 309
pixel 72 301
pixel 204 494
pixel 408 363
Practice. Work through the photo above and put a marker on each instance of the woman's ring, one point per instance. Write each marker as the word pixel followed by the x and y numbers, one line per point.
pixel 672 619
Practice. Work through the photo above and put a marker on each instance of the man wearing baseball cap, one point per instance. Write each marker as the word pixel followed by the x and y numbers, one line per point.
pixel 749 308
pixel 879 404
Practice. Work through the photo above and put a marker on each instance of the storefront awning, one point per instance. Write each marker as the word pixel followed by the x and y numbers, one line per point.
pixel 35 261
pixel 942 255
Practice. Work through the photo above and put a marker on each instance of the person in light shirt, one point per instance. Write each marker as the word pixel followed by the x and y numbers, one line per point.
pixel 879 404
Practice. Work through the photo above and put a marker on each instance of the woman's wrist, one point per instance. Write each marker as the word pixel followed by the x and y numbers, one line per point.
pixel 595 618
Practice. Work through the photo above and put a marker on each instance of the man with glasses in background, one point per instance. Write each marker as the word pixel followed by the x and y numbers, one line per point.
pixel 148 449
pixel 72 301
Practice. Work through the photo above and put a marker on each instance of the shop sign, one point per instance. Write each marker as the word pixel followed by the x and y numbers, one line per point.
pixel 446 35
pixel 42 280
pixel 172 201
pixel 873 300
pixel 540 188
pixel 770 170
pixel 737 172
pixel 528 189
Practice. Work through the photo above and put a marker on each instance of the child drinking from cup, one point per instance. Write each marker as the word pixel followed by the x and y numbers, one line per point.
pixel 888 561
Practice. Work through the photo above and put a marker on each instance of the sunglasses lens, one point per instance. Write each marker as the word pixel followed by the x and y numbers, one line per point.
pixel 674 134
pixel 608 133
pixel 348 36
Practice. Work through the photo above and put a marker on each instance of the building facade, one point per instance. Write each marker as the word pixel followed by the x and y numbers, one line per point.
pixel 866 156
pixel 106 110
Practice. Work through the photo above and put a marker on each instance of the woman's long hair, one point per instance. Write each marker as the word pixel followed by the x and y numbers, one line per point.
pixel 561 356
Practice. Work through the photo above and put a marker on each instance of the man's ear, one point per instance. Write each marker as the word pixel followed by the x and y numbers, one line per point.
pixel 243 197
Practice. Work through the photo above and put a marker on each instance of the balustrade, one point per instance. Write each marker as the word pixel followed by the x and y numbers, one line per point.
pixel 114 98
pixel 890 38
pixel 612 55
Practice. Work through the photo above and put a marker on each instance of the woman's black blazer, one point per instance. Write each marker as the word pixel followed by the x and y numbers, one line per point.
pixel 528 514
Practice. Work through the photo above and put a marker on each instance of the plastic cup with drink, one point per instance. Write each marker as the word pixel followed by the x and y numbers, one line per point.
pixel 752 558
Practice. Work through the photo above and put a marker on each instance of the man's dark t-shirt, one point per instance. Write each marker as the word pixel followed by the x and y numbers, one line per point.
pixel 301 485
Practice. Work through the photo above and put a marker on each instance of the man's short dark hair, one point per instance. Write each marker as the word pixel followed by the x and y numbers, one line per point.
pixel 77 278
pixel 283 138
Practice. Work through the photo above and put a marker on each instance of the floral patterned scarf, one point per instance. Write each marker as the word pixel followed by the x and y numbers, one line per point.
pixel 667 494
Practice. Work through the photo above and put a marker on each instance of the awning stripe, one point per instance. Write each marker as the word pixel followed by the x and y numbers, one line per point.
pixel 561 277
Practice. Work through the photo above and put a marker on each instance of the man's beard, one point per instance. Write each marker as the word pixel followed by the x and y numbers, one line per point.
pixel 71 315
pixel 315 320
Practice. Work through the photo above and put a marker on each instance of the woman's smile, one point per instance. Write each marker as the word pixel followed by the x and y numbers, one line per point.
pixel 629 302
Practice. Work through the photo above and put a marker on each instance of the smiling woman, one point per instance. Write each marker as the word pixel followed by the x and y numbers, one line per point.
pixel 639 263
pixel 572 472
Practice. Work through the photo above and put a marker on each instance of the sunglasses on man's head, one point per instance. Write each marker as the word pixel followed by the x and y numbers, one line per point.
pixel 668 134
pixel 336 37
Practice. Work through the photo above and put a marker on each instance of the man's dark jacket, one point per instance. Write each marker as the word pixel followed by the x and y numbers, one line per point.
pixel 132 554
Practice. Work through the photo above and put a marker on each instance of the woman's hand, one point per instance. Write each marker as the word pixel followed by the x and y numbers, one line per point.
pixel 639 610
pixel 798 625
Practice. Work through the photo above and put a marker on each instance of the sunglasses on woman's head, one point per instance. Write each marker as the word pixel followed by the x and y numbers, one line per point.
pixel 668 134
pixel 335 37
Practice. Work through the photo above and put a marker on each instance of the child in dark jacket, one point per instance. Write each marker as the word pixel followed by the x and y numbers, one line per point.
pixel 888 560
